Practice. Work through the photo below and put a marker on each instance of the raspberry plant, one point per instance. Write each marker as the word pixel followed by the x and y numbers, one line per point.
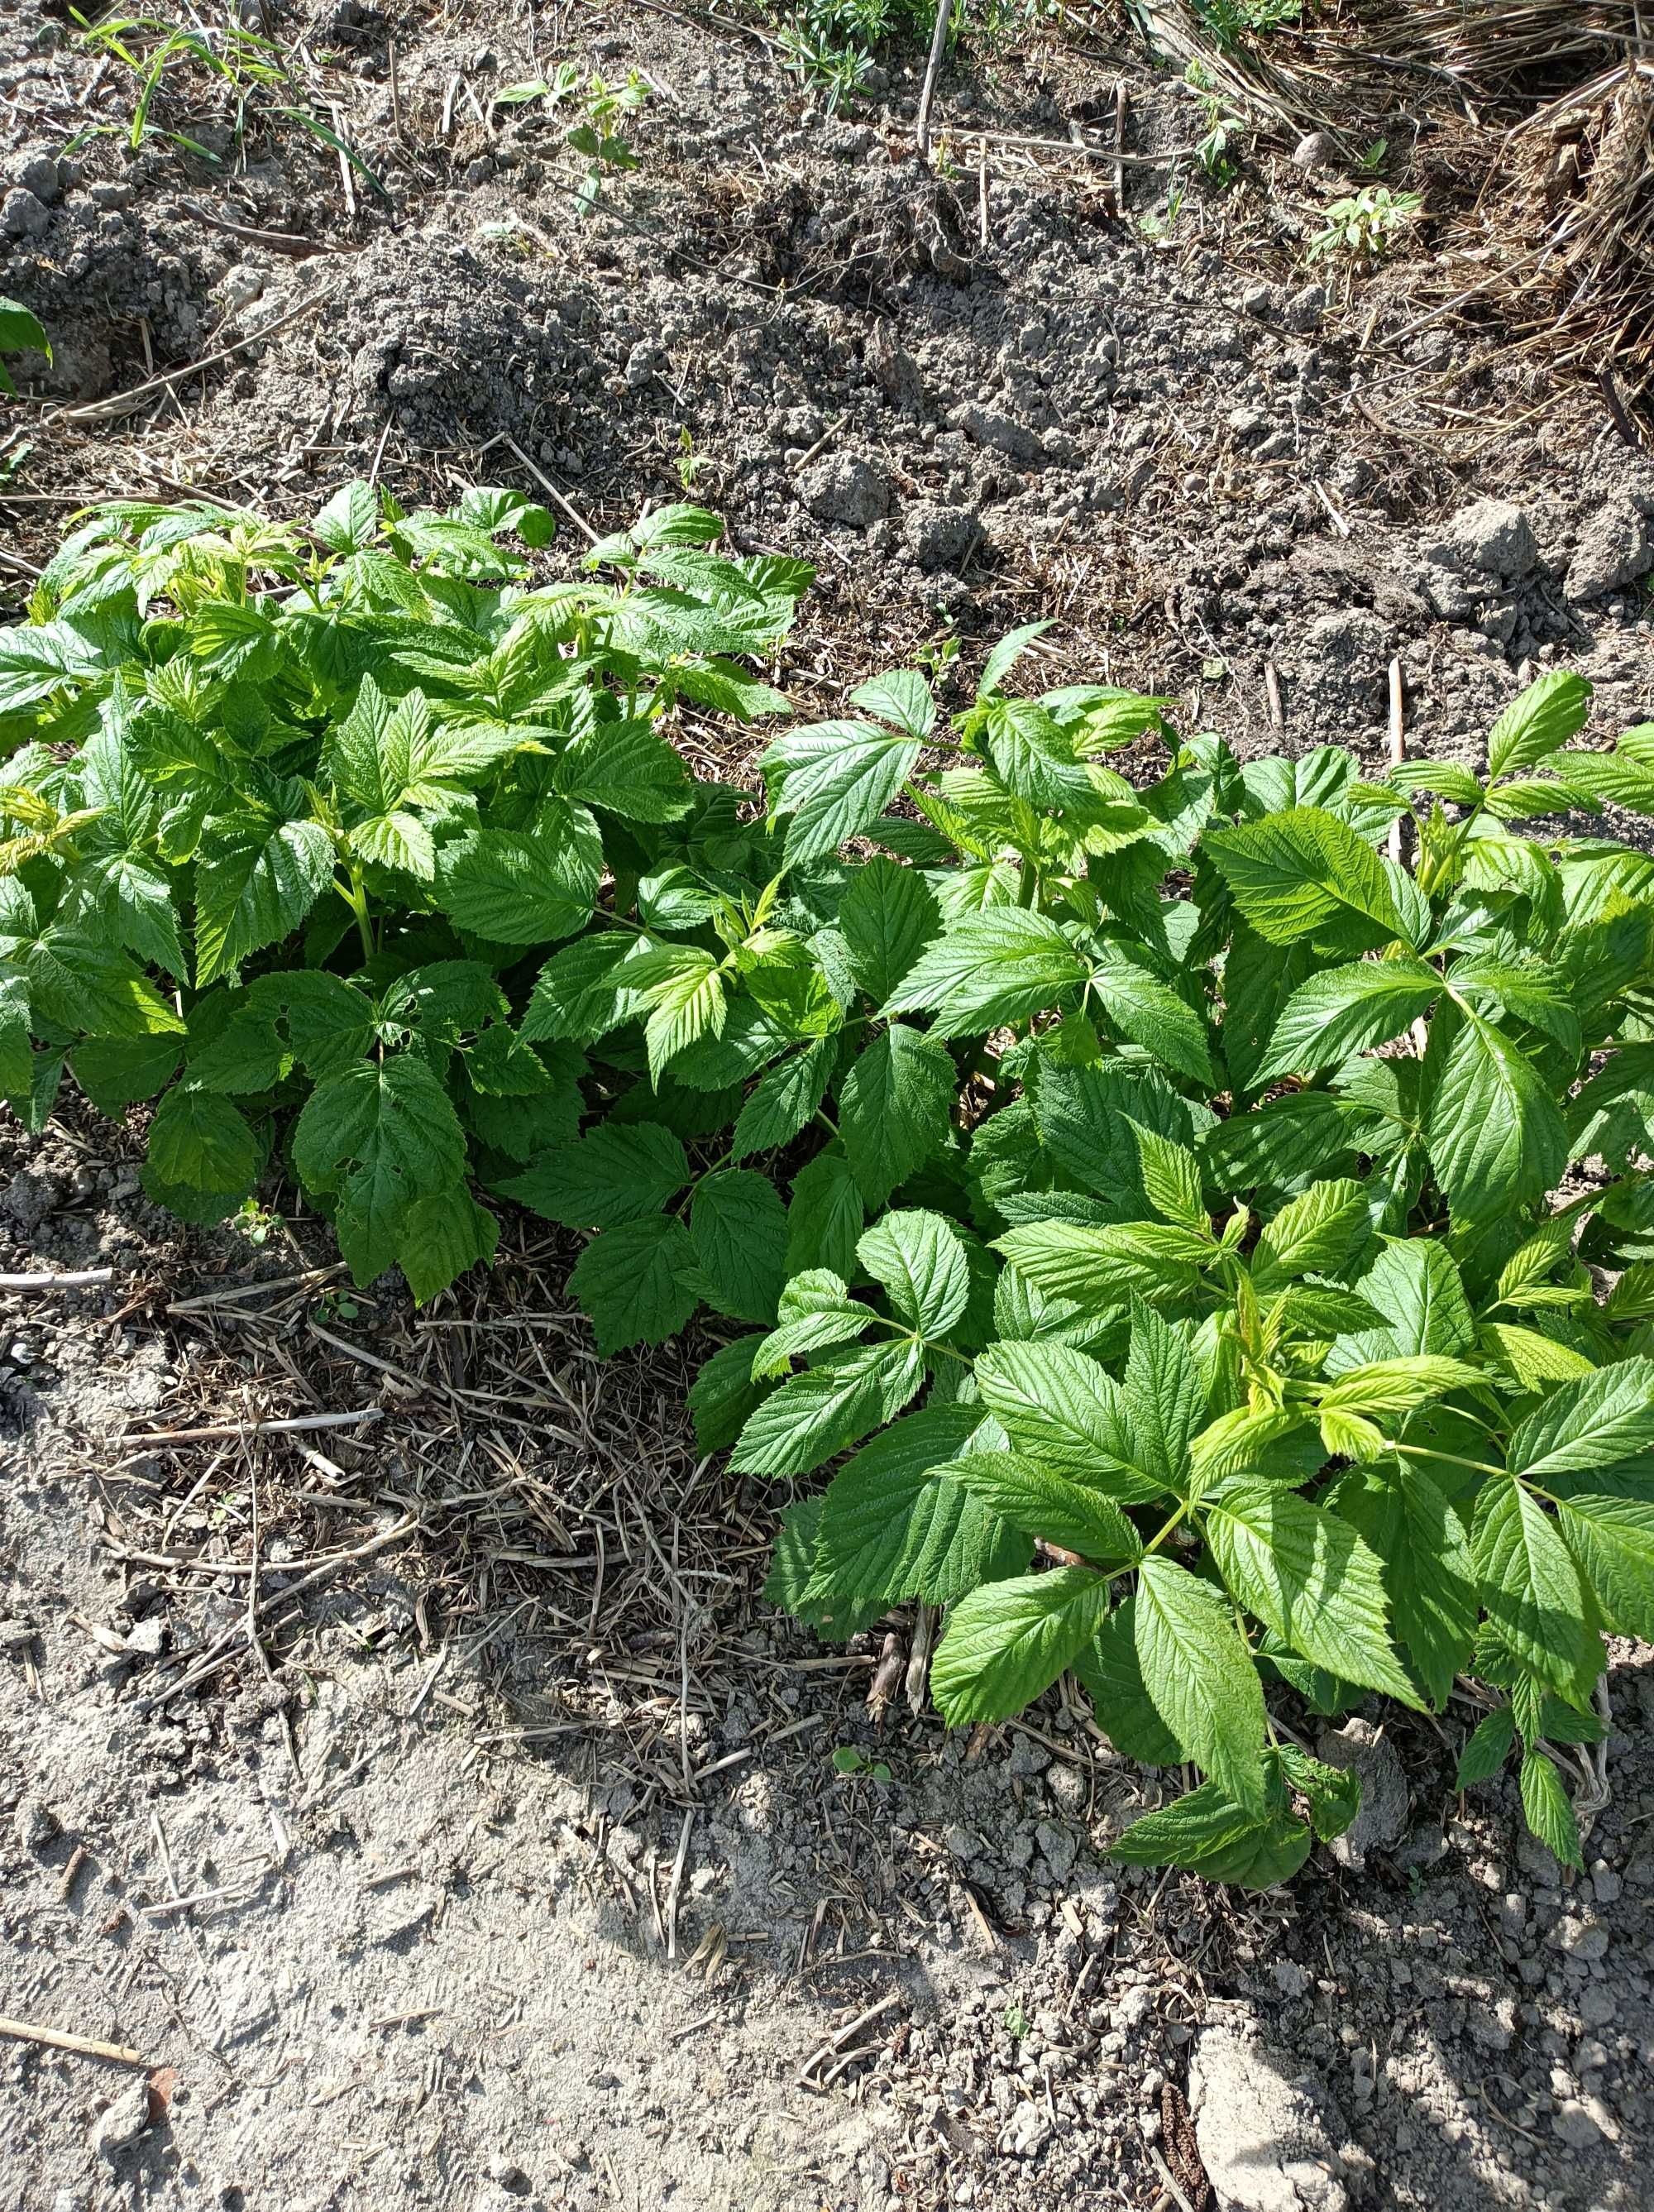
pixel 1225 1255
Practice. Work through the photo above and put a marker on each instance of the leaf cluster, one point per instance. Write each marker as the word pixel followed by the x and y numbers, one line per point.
pixel 1159 1210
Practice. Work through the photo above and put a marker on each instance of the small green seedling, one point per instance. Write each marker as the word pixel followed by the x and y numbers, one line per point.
pixel 849 1759
pixel 1367 224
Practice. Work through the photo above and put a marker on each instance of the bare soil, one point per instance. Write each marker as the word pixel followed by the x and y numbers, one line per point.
pixel 513 1867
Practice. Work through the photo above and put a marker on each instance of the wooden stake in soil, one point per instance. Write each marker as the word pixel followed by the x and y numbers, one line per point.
pixel 1397 749
pixel 932 71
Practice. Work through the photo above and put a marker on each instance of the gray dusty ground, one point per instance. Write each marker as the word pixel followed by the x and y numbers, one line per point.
pixel 524 1873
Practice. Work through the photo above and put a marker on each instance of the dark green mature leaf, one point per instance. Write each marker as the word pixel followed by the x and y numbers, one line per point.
pixel 785 1099
pixel 1602 1421
pixel 1050 1506
pixel 1101 1268
pixel 628 1279
pixel 1531 1589
pixel 525 887
pixel 1109 1669
pixel 1417 1288
pixel 1003 965
pixel 832 779
pixel 888 916
pixel 199 1139
pixel 1613 1540
pixel 1150 1012
pixel 1548 1810
pixel 920 1260
pixel 1429 1572
pixel 1008 1641
pixel 1538 721
pixel 893 1108
pixel 724 1393
pixel 1495 1134
pixel 443 1235
pixel 1293 874
pixel 825 1215
pixel 622 1172
pixel 739 1228
pixel 257 878
pixel 1486 1748
pixel 1210 1834
pixel 1165 1396
pixel 895 1524
pixel 1343 1011
pixel 1200 1677
pixel 1311 1577
pixel 827 1409
pixel 1063 1409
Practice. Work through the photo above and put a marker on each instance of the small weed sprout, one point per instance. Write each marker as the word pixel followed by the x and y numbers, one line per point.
pixel 1217 148
pixel 597 140
pixel 243 65
pixel 1365 225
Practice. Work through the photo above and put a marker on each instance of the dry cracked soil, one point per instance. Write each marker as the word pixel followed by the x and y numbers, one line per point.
pixel 515 1868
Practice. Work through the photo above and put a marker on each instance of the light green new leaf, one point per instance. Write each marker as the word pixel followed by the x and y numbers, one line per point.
pixel 894 1107
pixel 921 1262
pixel 1005 964
pixel 1308 1576
pixel 827 1409
pixel 1008 1641
pixel 1200 1677
pixel 1397 1385
pixel 1343 1011
pixel 628 1279
pixel 1292 874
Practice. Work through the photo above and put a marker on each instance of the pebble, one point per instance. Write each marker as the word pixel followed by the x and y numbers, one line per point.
pixel 1028 2132
pixel 118 2128
pixel 24 214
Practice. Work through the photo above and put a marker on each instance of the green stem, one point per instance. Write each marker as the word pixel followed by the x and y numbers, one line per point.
pixel 1447 1459
pixel 1027 888
pixel 356 899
